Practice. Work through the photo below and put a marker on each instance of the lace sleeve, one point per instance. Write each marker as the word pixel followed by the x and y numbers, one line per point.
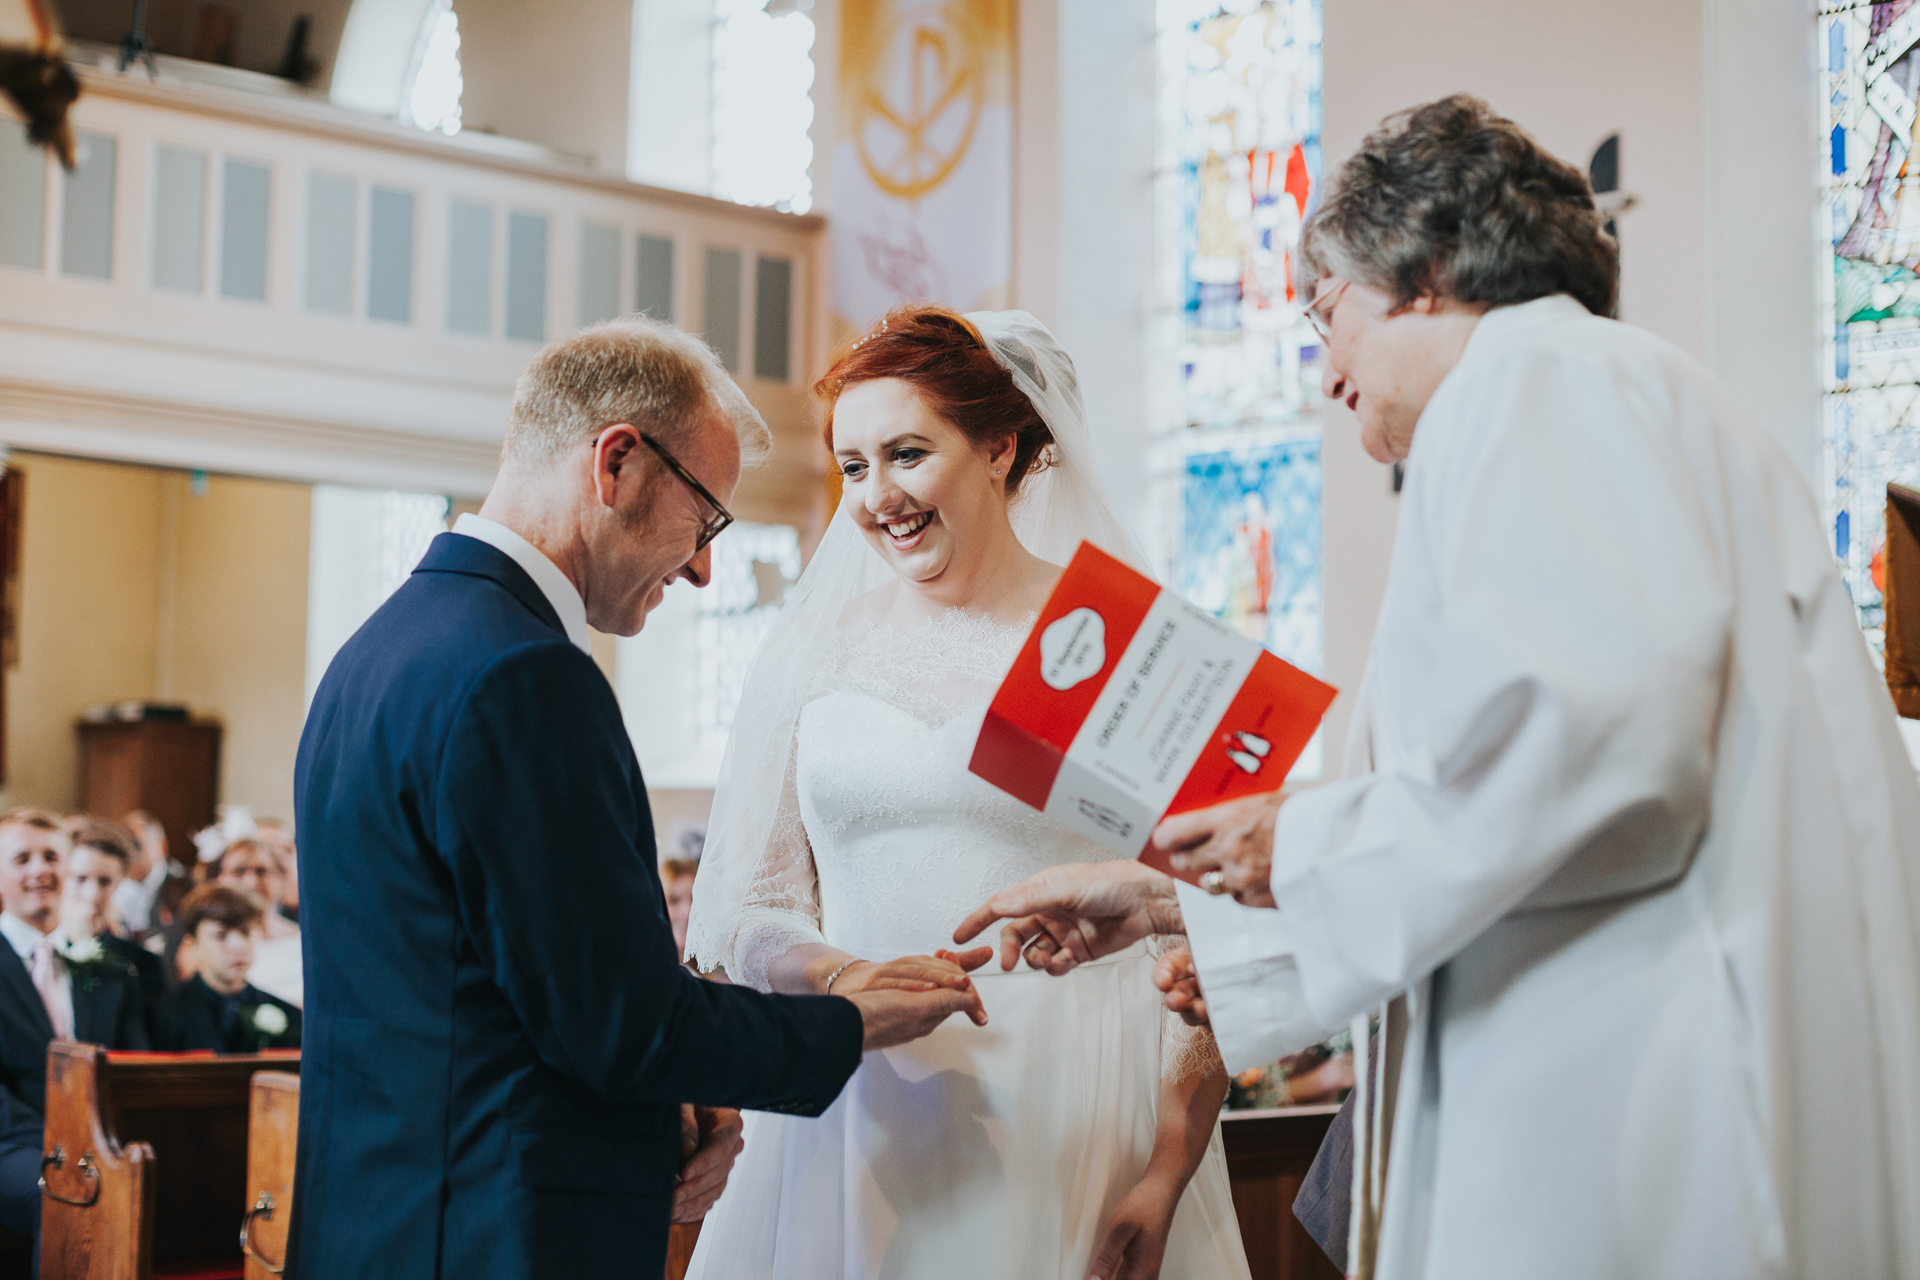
pixel 1185 1051
pixel 781 909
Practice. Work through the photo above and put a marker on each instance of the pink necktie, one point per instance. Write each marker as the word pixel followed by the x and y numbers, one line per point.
pixel 46 981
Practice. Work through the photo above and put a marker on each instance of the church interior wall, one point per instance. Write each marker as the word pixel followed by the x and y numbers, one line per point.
pixel 134 587
pixel 556 74
pixel 89 613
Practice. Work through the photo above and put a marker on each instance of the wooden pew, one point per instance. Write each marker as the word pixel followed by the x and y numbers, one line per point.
pixel 681 1237
pixel 164 1140
pixel 1268 1153
pixel 272 1131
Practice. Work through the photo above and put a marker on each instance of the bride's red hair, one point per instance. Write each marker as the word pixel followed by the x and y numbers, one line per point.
pixel 945 360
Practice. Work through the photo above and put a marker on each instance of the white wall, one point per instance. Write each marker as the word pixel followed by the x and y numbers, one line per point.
pixel 1083 219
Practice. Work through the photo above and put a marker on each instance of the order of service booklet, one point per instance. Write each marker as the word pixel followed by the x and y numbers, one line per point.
pixel 1127 704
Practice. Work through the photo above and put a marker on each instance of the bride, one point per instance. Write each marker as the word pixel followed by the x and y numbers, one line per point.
pixel 1075 1134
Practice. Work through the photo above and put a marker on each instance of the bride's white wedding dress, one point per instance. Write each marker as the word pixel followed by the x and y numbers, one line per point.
pixel 997 1151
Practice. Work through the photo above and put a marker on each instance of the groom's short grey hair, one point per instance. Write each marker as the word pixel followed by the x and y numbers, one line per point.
pixel 651 374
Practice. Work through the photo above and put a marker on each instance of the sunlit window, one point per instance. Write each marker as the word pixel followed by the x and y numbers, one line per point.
pixel 432 97
pixel 763 103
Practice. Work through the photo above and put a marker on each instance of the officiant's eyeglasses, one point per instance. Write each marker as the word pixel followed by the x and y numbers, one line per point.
pixel 718 519
pixel 1320 310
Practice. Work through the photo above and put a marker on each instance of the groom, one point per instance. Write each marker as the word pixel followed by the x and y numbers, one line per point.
pixel 499 1039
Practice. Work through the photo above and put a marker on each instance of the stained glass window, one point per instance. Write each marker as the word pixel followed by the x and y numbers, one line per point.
pixel 1236 519
pixel 1870 59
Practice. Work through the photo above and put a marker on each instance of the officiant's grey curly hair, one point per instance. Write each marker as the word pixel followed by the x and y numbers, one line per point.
pixel 637 370
pixel 1452 199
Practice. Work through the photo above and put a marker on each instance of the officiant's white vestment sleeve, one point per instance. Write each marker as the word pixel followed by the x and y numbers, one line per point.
pixel 1638 835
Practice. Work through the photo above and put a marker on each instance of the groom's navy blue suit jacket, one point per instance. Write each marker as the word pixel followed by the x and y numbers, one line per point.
pixel 498 1034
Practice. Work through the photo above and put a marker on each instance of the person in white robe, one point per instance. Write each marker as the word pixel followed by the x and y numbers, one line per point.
pixel 1629 838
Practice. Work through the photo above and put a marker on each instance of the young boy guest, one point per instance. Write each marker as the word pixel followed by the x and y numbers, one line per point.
pixel 96 868
pixel 216 1008
pixel 49 986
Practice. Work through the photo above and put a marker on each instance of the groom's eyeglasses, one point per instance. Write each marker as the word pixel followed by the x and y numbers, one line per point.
pixel 717 519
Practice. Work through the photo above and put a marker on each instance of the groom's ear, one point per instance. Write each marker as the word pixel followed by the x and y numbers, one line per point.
pixel 614 453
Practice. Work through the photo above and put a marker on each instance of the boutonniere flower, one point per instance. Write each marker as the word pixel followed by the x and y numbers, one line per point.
pixel 269 1020
pixel 87 951
pixel 88 962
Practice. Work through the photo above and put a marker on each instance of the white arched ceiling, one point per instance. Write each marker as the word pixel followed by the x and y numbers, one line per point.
pixel 376 50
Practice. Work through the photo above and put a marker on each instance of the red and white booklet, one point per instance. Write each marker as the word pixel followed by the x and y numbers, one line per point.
pixel 1127 704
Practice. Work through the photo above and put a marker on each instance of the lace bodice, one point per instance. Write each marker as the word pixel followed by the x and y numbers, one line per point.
pixel 885 840
pixel 905 841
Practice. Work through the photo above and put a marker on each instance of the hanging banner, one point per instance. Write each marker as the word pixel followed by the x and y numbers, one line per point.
pixel 923 173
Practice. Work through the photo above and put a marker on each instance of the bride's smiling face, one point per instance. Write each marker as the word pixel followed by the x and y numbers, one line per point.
pixel 926 497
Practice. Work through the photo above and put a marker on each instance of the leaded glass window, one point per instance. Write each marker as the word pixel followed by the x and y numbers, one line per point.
pixel 1870 76
pixel 1236 521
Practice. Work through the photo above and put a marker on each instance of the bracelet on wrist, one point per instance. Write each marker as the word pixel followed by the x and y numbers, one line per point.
pixel 828 989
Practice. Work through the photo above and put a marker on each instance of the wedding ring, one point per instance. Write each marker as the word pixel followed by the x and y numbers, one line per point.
pixel 1214 882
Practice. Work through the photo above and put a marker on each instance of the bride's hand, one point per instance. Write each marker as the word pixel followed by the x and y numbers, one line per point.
pixel 913 973
pixel 1136 1236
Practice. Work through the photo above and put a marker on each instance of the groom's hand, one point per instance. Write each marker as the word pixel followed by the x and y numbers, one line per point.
pixel 1066 916
pixel 893 1016
pixel 710 1142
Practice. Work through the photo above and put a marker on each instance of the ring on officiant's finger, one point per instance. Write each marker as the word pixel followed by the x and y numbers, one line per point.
pixel 1214 882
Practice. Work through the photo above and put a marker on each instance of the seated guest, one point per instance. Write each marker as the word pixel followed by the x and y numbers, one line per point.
pixel 278 832
pixel 96 868
pixel 20 1134
pixel 49 987
pixel 217 1008
pixel 253 865
pixel 154 883
pixel 676 877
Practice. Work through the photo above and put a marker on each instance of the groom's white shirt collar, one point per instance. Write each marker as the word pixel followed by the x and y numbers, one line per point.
pixel 546 575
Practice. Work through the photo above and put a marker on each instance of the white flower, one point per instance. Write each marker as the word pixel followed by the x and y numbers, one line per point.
pixel 85 951
pixel 268 1020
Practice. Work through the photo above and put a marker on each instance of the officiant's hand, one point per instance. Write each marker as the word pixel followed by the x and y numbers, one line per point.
pixel 1179 983
pixel 710 1141
pixel 1066 916
pixel 1235 839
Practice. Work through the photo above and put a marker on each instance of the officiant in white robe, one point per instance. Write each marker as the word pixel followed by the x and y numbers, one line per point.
pixel 1630 829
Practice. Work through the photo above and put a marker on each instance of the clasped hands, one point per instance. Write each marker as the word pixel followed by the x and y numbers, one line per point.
pixel 1065 917
pixel 1069 915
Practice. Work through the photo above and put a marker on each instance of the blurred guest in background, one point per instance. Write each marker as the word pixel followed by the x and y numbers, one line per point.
pixel 676 877
pixel 96 868
pixel 20 1136
pixel 217 1008
pixel 253 864
pixel 279 833
pixel 48 986
pixel 154 883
